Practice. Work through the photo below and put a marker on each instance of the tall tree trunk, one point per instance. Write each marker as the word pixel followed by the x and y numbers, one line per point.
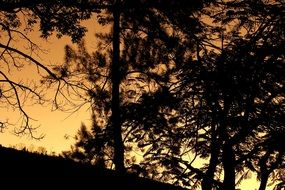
pixel 264 169
pixel 229 167
pixel 116 122
pixel 263 181
pixel 207 183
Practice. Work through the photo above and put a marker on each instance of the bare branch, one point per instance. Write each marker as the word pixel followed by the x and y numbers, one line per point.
pixel 29 58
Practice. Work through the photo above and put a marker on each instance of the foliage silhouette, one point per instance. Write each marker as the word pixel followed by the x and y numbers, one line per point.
pixel 126 31
pixel 222 99
pixel 181 83
pixel 18 19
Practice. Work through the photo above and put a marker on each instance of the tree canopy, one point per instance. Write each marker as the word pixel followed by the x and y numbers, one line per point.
pixel 180 83
pixel 205 85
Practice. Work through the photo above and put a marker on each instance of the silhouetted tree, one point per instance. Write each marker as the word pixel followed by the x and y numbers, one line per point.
pixel 240 81
pixel 89 148
pixel 209 86
pixel 18 18
pixel 230 95
pixel 129 28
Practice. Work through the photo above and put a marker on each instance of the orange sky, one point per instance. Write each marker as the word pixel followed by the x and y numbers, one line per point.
pixel 53 124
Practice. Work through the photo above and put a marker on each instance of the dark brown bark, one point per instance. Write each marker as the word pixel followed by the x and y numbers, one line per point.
pixel 208 180
pixel 263 181
pixel 115 102
pixel 229 167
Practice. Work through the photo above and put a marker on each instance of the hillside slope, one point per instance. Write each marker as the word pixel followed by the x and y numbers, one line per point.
pixel 25 170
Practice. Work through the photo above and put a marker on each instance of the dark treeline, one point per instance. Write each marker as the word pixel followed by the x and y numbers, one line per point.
pixel 178 82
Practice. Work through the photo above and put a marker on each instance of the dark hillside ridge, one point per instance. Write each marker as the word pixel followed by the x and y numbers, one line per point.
pixel 25 170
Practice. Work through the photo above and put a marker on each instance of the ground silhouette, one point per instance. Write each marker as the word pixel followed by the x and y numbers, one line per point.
pixel 26 170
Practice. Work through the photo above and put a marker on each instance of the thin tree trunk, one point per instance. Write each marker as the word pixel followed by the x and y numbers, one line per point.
pixel 207 183
pixel 115 102
pixel 266 170
pixel 264 179
pixel 229 167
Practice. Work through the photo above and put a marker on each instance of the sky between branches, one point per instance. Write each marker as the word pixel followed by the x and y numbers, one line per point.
pixel 57 127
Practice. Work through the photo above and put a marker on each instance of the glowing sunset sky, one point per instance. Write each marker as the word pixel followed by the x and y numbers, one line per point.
pixel 54 125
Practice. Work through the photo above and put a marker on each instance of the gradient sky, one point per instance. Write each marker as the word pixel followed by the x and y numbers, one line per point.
pixel 55 125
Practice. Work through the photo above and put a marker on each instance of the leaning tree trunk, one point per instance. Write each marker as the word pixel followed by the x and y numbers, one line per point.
pixel 266 170
pixel 116 123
